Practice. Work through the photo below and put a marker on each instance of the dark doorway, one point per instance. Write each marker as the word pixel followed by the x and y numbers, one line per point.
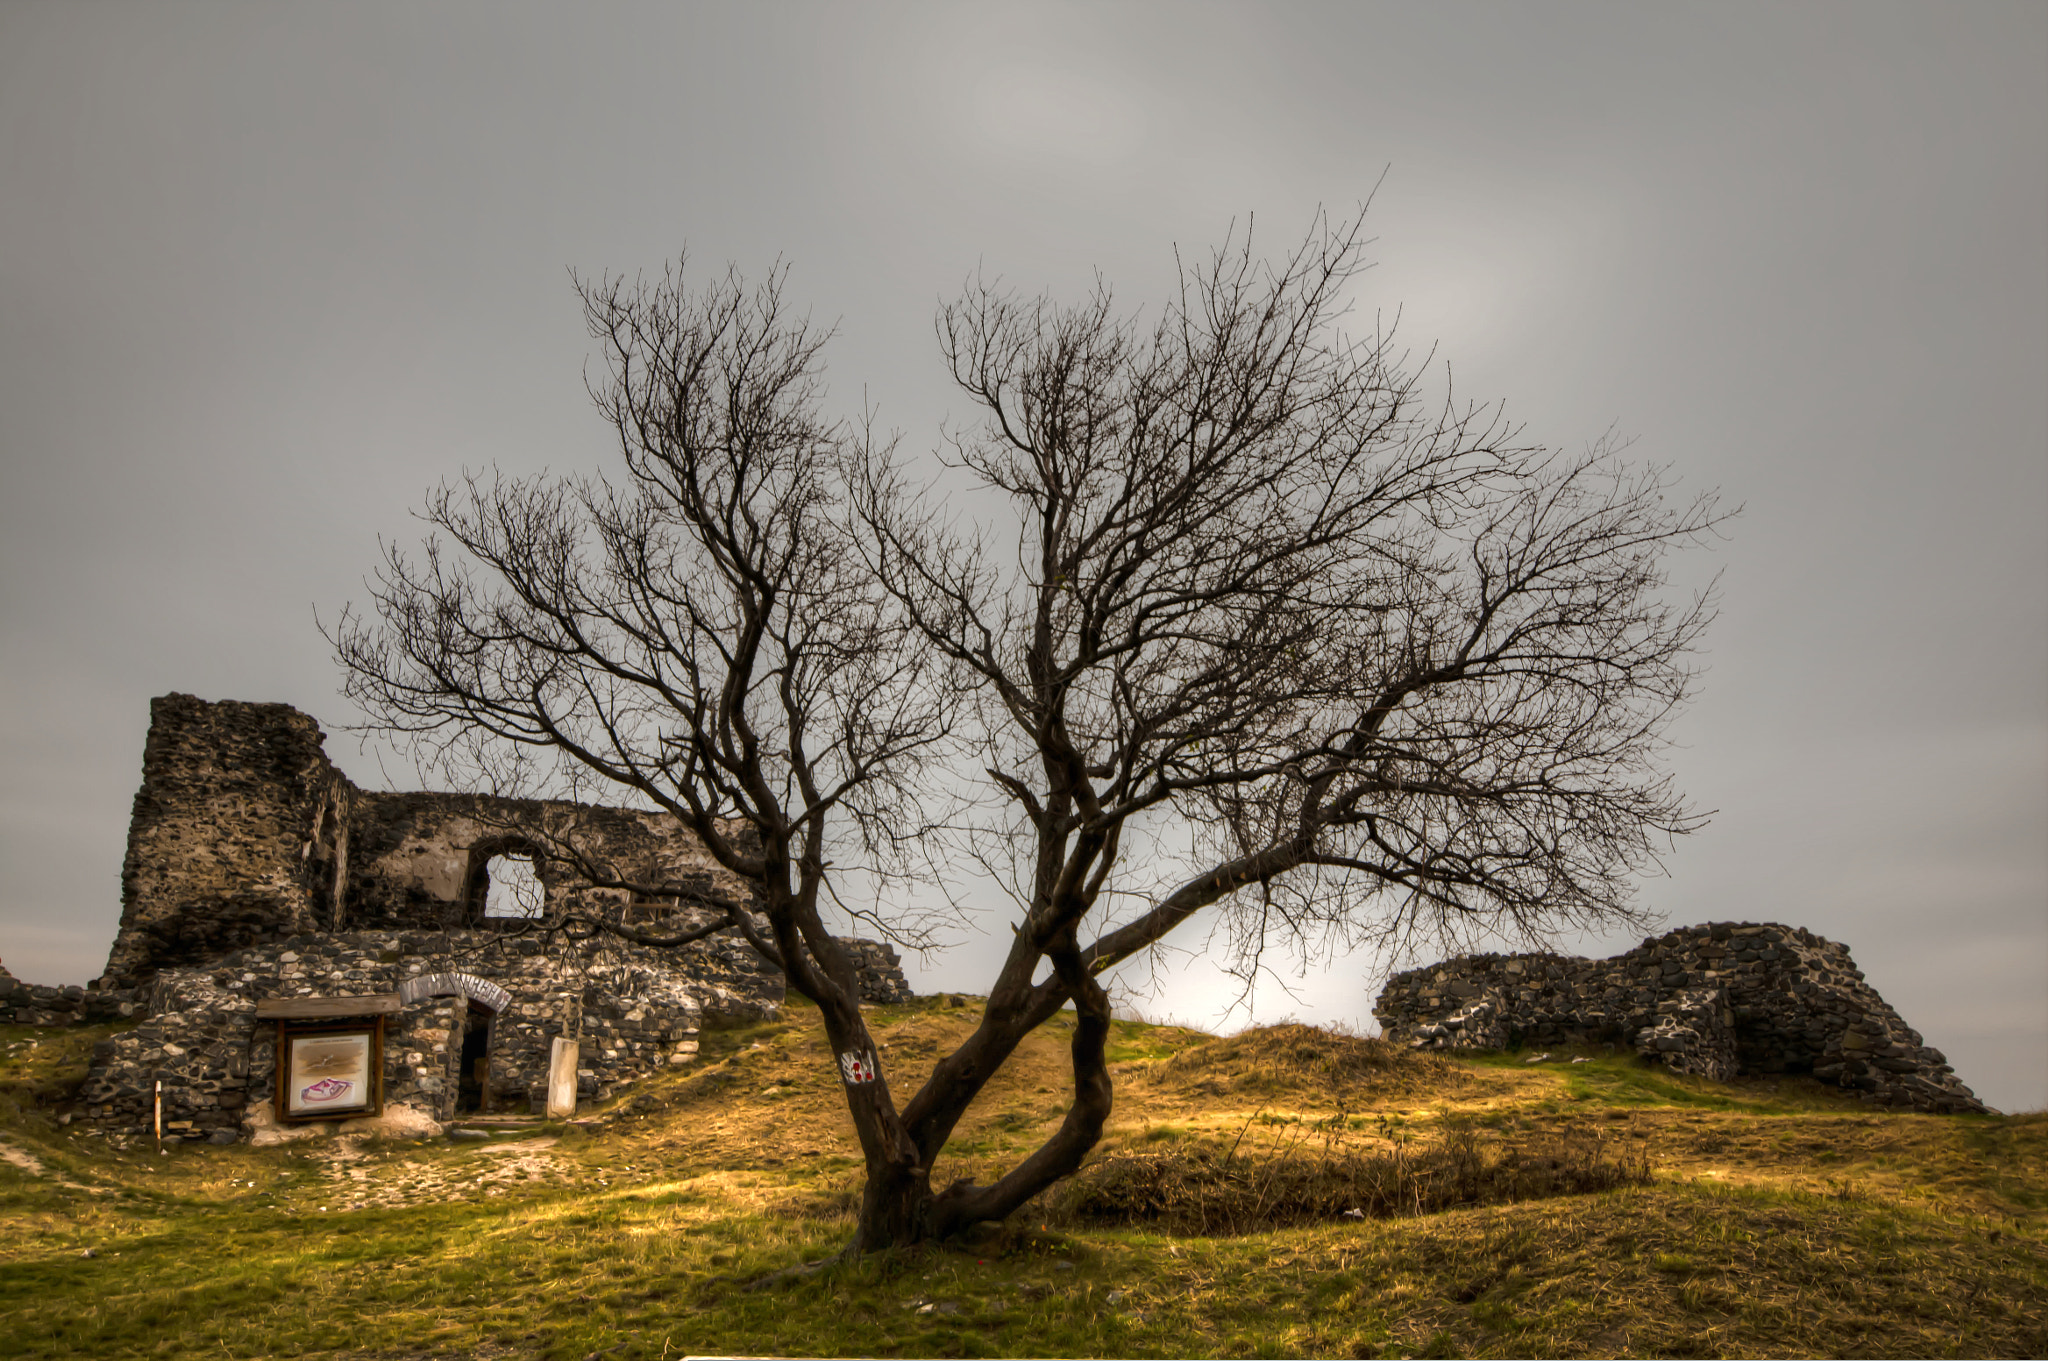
pixel 473 1088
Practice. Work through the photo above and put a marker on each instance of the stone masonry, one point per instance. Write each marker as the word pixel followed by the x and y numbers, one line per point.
pixel 637 1011
pixel 243 832
pixel 35 1004
pixel 256 870
pixel 1719 1000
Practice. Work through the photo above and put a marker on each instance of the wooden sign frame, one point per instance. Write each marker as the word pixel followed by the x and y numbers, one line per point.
pixel 290 1032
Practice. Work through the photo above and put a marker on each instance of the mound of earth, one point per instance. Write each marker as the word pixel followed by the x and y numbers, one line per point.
pixel 1295 1058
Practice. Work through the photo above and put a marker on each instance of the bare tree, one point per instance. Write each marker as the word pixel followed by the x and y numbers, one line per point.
pixel 704 635
pixel 1365 662
pixel 1370 662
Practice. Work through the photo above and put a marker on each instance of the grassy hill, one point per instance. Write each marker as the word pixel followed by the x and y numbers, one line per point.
pixel 1599 1208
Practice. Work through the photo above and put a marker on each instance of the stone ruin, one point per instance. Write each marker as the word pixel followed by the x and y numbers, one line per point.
pixel 1720 1000
pixel 258 878
pixel 258 875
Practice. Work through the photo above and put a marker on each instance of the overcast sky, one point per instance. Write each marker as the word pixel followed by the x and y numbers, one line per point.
pixel 269 271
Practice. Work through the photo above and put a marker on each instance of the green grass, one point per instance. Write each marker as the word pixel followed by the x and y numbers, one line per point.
pixel 1653 1272
pixel 1135 1041
pixel 1776 1222
pixel 40 1068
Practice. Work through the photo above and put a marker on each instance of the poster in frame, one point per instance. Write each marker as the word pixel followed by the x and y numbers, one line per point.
pixel 330 1071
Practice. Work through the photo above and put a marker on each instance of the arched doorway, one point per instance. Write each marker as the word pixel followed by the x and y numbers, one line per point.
pixel 484 1002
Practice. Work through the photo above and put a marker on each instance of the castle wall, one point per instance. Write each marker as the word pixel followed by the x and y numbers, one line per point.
pixel 637 1010
pixel 416 860
pixel 243 832
pixel 878 969
pixel 256 870
pixel 220 835
pixel 37 1004
pixel 1720 1000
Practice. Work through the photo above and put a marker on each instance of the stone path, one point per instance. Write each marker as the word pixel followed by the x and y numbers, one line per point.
pixel 492 1169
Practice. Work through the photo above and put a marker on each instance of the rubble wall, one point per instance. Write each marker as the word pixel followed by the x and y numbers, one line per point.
pixel 243 832
pixel 879 970
pixel 637 1012
pixel 219 834
pixel 417 861
pixel 1719 1000
pixel 36 1004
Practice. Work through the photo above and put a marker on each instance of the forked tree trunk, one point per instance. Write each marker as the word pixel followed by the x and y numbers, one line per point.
pixel 899 1207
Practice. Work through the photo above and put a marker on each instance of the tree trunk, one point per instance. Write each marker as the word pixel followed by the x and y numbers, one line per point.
pixel 898 1205
pixel 895 1209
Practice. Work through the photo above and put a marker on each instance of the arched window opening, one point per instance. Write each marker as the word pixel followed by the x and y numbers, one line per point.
pixel 512 888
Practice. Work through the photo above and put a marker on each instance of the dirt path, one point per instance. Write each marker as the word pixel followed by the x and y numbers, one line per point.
pixel 26 1161
pixel 31 1164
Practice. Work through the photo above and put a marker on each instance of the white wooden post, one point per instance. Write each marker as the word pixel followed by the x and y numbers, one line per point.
pixel 562 1078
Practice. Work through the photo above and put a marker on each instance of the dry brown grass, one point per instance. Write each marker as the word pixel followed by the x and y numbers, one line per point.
pixel 1295 1059
pixel 1779 1219
pixel 1317 1173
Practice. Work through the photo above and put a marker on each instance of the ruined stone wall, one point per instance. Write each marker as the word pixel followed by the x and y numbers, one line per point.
pixel 244 832
pixel 880 971
pixel 35 1004
pixel 219 839
pixel 417 861
pixel 637 1011
pixel 1722 999
pixel 255 869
